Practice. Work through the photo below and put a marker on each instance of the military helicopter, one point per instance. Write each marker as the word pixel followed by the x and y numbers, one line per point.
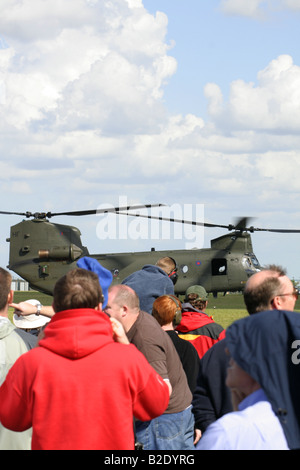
pixel 41 252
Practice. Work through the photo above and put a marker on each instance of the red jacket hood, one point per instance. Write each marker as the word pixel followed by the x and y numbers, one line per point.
pixel 192 320
pixel 77 333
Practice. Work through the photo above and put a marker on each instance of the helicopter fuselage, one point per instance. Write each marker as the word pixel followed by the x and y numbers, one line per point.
pixel 41 252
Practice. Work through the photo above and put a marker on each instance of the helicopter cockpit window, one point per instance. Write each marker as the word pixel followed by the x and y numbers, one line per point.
pixel 250 262
pixel 255 261
pixel 219 267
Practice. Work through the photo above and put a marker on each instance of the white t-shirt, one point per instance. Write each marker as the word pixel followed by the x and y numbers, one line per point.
pixel 254 427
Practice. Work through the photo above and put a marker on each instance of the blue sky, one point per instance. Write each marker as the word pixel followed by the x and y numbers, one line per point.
pixel 189 103
pixel 213 46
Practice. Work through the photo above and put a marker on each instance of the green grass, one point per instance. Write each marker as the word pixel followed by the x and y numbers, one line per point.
pixel 226 316
pixel 224 309
pixel 21 296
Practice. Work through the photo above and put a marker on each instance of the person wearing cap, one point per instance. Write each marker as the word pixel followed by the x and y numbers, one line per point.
pixel 80 389
pixel 13 343
pixel 196 326
pixel 263 376
pixel 31 323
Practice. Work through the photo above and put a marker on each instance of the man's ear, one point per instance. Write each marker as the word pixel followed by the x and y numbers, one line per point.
pixel 10 297
pixel 276 303
pixel 124 311
pixel 99 307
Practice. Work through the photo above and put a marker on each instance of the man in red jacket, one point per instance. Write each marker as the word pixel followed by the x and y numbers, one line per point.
pixel 196 326
pixel 80 389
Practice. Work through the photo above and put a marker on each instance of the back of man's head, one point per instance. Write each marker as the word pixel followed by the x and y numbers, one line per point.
pixel 167 264
pixel 125 295
pixel 262 287
pixel 5 287
pixel 79 288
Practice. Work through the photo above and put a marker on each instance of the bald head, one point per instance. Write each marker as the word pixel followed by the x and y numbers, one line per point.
pixel 123 304
pixel 269 289
pixel 123 294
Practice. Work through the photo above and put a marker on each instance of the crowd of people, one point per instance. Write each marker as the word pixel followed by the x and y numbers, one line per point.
pixel 129 366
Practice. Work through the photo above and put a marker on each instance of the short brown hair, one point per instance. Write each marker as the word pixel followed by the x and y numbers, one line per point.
pixel 79 288
pixel 5 287
pixel 167 264
pixel 199 304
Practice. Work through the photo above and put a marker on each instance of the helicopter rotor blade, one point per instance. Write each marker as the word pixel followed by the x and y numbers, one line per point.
pixel 241 223
pixel 26 214
pixel 105 210
pixel 240 226
pixel 181 221
pixel 44 215
pixel 275 230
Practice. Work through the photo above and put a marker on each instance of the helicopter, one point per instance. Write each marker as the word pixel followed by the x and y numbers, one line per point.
pixel 41 252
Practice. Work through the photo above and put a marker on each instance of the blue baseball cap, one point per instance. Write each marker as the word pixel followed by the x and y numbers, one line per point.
pixel 104 275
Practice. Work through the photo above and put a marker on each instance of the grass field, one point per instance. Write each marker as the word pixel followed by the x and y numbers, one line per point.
pixel 224 309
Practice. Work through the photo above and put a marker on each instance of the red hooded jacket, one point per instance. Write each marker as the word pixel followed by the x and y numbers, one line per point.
pixel 200 329
pixel 79 389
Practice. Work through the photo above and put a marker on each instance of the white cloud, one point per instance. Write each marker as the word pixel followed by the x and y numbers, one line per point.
pixel 73 98
pixel 292 4
pixel 252 140
pixel 280 168
pixel 115 94
pixel 46 19
pixel 257 9
pixel 83 105
pixel 249 8
pixel 272 104
pixel 94 65
pixel 83 118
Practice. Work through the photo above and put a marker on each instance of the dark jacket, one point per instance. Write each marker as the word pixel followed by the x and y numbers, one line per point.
pixel 212 398
pixel 266 346
pixel 189 358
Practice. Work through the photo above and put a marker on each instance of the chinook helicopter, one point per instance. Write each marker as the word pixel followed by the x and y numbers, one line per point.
pixel 41 252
